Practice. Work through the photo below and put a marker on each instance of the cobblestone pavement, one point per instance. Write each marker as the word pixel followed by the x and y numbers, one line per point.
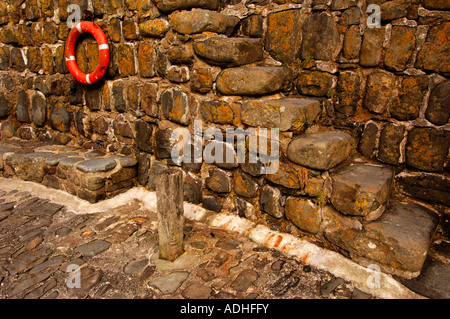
pixel 42 242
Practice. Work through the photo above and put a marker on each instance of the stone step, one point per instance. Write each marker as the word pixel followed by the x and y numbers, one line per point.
pixel 90 175
pixel 321 151
pixel 362 189
pixel 397 242
pixel 288 114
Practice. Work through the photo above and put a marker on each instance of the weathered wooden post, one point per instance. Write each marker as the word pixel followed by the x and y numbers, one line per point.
pixel 169 194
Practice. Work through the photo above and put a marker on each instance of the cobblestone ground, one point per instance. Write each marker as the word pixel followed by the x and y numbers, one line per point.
pixel 42 242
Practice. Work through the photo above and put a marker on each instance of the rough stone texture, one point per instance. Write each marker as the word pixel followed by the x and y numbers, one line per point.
pixel 219 112
pixel 244 185
pixel 283 38
pixel 198 21
pixel 392 10
pixel 4 107
pixel 379 91
pixel 400 49
pixel 391 137
pixel 218 181
pixel 425 186
pixel 174 105
pixel 438 111
pixel 436 4
pixel 427 149
pixel 97 165
pixel 361 189
pixel 252 80
pixel 229 51
pixel 154 28
pixel 286 176
pixel 289 114
pixel 352 43
pixel 39 109
pixel 399 239
pixel 29 166
pixel 60 117
pixel 321 150
pixel 406 106
pixel 372 47
pixel 270 201
pixel 315 83
pixel 320 37
pixel 93 248
pixel 172 5
pixel 348 91
pixel 23 107
pixel 304 214
pixel 433 56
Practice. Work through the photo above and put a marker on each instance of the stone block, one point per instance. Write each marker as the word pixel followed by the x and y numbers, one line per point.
pixel 253 80
pixel 399 239
pixel 29 166
pixel 288 114
pixel 352 43
pixel 5 108
pixel 320 37
pixel 244 185
pixel 407 105
pixel 400 49
pixel 434 54
pixel 39 109
pixel 369 139
pixel 270 201
pixel 283 37
pixel 315 83
pixel 379 91
pixel 287 176
pixel 438 111
pixel 436 4
pixel 229 51
pixel 175 105
pixel 23 107
pixel 427 149
pixel 372 47
pixel 219 112
pixel 146 58
pixel 252 26
pixel 172 5
pixel 201 80
pixel 156 28
pixel 178 74
pixel 218 181
pixel 348 92
pixel 361 189
pixel 125 59
pixel 391 137
pixel 143 135
pixel 321 151
pixel 60 118
pixel 304 214
pixel 199 20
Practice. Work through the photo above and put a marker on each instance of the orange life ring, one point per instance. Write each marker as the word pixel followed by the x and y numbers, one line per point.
pixel 103 52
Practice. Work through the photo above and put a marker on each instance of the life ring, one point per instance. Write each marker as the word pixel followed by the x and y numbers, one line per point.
pixel 103 52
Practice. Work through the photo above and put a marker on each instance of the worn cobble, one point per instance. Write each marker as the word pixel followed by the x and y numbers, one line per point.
pixel 42 243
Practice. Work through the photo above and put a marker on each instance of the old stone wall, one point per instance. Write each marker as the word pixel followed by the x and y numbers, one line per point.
pixel 338 91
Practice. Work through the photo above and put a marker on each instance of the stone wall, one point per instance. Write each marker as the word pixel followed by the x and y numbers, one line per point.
pixel 338 91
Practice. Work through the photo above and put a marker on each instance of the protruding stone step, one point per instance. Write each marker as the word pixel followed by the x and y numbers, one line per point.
pixel 229 51
pixel 288 114
pixel 97 165
pixel 253 80
pixel 398 241
pixel 198 21
pixel 321 151
pixel 361 189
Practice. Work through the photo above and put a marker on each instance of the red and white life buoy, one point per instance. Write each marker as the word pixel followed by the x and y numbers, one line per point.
pixel 103 52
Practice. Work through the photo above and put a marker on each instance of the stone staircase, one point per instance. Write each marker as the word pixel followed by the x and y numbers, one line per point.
pixel 92 175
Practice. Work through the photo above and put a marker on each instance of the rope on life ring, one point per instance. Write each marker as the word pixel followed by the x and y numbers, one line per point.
pixel 103 52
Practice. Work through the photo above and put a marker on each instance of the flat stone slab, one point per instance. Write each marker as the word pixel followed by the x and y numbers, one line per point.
pixel 321 151
pixel 68 162
pixel 361 189
pixel 97 165
pixel 285 114
pixel 93 248
pixel 398 240
pixel 170 283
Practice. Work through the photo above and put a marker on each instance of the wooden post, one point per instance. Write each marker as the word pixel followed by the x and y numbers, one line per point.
pixel 169 195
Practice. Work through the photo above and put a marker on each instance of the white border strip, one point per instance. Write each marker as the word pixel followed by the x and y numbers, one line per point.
pixel 295 247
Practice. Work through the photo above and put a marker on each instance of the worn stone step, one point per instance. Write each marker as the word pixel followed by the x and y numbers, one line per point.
pixel 322 151
pixel 92 176
pixel 397 242
pixel 362 189
pixel 289 114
